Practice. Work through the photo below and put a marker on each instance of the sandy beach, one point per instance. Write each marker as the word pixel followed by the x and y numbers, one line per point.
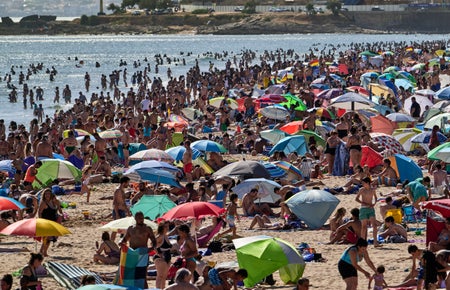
pixel 79 247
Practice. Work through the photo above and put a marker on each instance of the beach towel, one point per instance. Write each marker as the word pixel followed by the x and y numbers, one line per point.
pixel 69 276
pixel 77 162
pixel 133 267
pixel 340 167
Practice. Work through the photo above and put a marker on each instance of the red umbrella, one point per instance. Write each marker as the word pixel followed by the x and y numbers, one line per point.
pixel 272 98
pixel 441 205
pixel 361 90
pixel 292 127
pixel 7 203
pixel 191 210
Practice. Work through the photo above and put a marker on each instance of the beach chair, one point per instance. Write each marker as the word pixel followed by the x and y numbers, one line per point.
pixel 409 214
pixel 204 240
pixel 69 276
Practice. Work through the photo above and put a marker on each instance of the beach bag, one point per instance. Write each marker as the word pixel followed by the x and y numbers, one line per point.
pixel 215 246
pixel 179 263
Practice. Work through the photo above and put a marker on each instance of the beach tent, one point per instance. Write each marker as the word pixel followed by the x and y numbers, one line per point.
pixel 370 157
pixel 313 207
pixel 388 142
pixel 405 167
pixel 381 124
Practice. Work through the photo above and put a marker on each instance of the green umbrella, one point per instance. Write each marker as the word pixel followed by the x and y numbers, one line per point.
pixel 52 169
pixel 368 53
pixel 153 206
pixel 432 154
pixel 307 133
pixel 294 101
pixel 270 254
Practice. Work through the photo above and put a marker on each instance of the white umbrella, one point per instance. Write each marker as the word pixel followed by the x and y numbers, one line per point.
pixel 265 189
pixel 352 101
pixel 125 223
pixel 421 100
pixel 275 112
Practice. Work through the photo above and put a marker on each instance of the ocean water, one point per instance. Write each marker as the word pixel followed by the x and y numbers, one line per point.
pixel 60 52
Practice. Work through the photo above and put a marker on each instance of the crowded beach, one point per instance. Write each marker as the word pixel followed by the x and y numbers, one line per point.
pixel 325 170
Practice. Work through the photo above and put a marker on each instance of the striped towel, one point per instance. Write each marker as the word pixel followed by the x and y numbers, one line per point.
pixel 69 276
pixel 133 267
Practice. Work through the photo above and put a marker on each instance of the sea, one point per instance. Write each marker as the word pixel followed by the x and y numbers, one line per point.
pixel 73 56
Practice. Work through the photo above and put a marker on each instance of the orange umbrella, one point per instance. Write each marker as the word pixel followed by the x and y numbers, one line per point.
pixel 292 127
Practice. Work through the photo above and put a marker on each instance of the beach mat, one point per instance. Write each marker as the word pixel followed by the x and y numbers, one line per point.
pixel 69 276
pixel 133 267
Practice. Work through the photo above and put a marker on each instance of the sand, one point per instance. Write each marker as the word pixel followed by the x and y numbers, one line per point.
pixel 79 247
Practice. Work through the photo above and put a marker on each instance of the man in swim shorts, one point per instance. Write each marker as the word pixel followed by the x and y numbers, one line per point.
pixel 367 197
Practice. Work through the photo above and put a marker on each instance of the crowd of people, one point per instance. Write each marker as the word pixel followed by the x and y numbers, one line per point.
pixel 144 114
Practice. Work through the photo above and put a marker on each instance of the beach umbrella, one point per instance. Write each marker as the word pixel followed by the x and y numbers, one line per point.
pixel 152 175
pixel 392 69
pixel 191 113
pixel 243 170
pixel 389 143
pixel 216 102
pixel 265 189
pixel 325 113
pixel 308 134
pixel 399 117
pixel 7 203
pixel 274 171
pixel 421 100
pixel 292 171
pixel 432 155
pixel 405 167
pixel 443 94
pixel 291 144
pixel 192 210
pixel 110 134
pixel 276 89
pixel 273 135
pixel 271 98
pixel 441 105
pixel 178 119
pixel 152 154
pixel 177 152
pixel 424 137
pixel 314 206
pixel 443 154
pixel 378 90
pixel 426 93
pixel 403 83
pixel 407 76
pixel 294 102
pixel 208 146
pixel 360 90
pixel 275 112
pixel 404 136
pixel 153 206
pixel 35 227
pixel 418 66
pixel 125 223
pixel 7 165
pixel 105 287
pixel 381 124
pixel 368 53
pixel 370 75
pixel 440 120
pixel 52 169
pixel 270 254
pixel 292 127
pixel 156 165
pixel 77 133
pixel 351 101
pixel 329 94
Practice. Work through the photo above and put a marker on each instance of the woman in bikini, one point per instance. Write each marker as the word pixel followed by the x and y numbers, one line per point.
pixel 188 247
pixel 29 279
pixel 330 150
pixel 110 249
pixel 354 147
pixel 48 209
pixel 163 256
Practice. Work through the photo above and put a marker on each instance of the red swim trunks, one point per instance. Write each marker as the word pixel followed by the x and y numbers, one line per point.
pixel 187 168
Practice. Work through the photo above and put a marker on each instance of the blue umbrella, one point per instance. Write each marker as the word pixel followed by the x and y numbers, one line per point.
pixel 156 165
pixel 443 94
pixel 274 171
pixel 7 165
pixel 424 137
pixel 291 144
pixel 152 175
pixel 208 146
pixel 275 112
pixel 178 151
pixel 406 84
pixel 314 207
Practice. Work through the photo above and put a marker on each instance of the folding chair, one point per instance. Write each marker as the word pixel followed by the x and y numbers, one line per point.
pixel 410 214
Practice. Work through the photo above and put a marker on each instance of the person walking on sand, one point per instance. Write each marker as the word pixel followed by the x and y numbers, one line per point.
pixel 367 197
pixel 120 209
pixel 348 264
pixel 187 160
pixel 232 216
pixel 138 236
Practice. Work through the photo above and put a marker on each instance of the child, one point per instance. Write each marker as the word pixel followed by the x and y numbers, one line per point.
pixel 379 279
pixel 219 278
pixel 232 215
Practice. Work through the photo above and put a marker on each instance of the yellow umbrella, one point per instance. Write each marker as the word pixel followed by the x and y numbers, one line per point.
pixel 35 227
pixel 378 89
